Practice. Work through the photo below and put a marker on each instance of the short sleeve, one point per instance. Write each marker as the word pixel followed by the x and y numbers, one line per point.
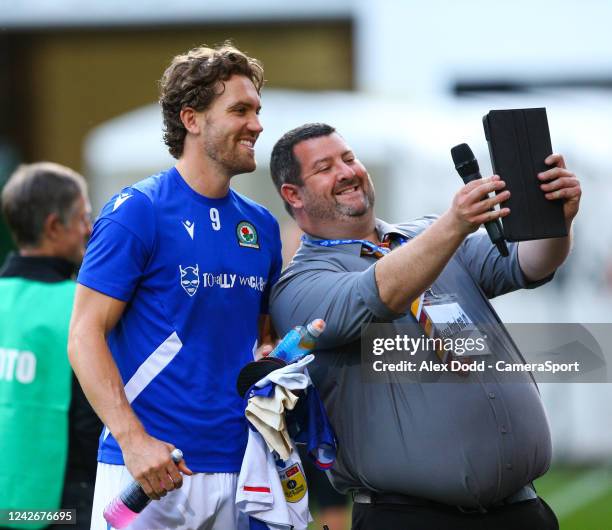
pixel 276 266
pixel 120 246
pixel 345 300
pixel 495 273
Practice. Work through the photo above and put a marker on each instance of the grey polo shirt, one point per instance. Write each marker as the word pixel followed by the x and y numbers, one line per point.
pixel 459 443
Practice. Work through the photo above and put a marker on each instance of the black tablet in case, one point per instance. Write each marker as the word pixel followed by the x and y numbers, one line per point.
pixel 519 142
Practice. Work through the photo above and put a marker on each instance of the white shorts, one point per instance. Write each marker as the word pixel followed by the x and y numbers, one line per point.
pixel 205 501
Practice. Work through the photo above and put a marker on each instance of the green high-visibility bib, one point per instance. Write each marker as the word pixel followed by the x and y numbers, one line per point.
pixel 35 381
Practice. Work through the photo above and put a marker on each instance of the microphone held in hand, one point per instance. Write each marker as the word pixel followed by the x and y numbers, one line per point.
pixel 124 508
pixel 467 167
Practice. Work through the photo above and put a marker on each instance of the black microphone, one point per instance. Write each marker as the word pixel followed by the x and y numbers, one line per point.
pixel 467 167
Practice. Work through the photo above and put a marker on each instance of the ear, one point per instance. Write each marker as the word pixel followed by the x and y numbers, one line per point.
pixel 188 117
pixel 291 193
pixel 53 228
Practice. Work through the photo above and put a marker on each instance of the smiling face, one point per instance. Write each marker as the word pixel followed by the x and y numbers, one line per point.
pixel 230 127
pixel 336 185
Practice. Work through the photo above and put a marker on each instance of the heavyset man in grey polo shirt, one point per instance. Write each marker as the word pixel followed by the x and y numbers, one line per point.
pixel 441 456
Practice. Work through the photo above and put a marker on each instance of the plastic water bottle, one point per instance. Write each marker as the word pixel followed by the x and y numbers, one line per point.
pixel 300 341
pixel 124 508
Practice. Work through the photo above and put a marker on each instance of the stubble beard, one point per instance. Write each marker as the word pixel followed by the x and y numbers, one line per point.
pixel 231 161
pixel 332 211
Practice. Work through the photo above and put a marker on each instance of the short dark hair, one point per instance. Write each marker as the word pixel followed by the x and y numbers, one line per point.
pixel 195 79
pixel 35 191
pixel 284 166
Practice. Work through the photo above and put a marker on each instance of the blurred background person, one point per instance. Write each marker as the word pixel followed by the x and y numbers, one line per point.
pixel 48 431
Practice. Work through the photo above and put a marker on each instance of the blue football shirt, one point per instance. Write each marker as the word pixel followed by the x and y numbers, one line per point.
pixel 195 273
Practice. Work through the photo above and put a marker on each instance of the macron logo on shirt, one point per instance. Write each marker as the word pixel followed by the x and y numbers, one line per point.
pixel 189 226
pixel 120 200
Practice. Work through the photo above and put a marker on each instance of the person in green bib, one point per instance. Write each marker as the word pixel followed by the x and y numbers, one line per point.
pixel 48 431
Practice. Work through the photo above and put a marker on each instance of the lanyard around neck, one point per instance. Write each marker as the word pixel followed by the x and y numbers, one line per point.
pixel 375 250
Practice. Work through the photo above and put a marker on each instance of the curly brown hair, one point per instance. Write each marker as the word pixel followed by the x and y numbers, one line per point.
pixel 195 79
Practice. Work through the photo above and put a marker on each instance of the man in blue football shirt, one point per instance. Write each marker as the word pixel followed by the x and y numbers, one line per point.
pixel 173 299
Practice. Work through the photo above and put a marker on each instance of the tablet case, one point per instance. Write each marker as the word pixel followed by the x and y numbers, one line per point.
pixel 519 141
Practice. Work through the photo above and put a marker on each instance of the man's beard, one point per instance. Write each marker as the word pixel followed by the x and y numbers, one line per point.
pixel 328 211
pixel 232 163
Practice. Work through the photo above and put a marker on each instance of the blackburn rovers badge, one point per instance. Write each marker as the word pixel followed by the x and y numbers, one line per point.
pixel 247 235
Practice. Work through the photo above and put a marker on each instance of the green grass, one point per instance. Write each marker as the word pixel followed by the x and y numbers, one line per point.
pixel 581 497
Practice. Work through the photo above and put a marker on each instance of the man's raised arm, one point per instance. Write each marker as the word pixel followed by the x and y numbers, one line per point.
pixel 405 273
pixel 541 257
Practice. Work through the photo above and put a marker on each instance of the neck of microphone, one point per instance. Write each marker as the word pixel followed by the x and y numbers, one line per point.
pixel 467 167
pixel 469 171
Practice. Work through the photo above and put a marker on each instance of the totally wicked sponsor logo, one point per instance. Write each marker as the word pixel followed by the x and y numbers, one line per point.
pixel 191 279
pixel 226 280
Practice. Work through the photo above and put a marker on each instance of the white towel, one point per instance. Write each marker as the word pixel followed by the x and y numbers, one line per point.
pixel 267 415
pixel 294 376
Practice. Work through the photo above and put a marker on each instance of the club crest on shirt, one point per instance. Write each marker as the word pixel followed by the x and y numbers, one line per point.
pixel 294 483
pixel 190 279
pixel 247 235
